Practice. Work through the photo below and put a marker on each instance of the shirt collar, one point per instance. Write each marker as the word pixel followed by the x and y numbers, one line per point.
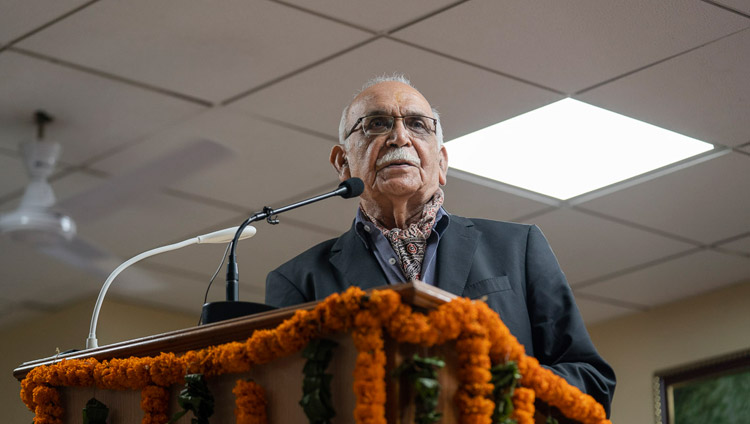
pixel 442 219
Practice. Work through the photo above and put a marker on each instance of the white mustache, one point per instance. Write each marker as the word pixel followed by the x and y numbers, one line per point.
pixel 398 155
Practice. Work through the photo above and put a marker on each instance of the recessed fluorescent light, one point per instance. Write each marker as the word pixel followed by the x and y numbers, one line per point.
pixel 569 148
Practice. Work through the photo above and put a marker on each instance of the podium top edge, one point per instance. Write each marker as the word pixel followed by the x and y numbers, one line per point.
pixel 415 293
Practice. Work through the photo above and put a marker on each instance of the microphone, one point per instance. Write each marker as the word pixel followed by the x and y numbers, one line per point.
pixel 221 236
pixel 352 187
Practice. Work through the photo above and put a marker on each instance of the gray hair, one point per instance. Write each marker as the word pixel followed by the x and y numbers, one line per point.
pixel 377 80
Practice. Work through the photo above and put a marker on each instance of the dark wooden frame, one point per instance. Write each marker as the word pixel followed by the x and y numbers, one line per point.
pixel 713 367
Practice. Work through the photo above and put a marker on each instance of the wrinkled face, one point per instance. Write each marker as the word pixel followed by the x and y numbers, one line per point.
pixel 395 165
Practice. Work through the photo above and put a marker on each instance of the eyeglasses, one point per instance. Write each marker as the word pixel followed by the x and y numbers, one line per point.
pixel 417 125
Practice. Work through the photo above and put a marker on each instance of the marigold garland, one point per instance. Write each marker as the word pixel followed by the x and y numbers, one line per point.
pixel 155 404
pixel 48 410
pixel 369 370
pixel 250 403
pixel 481 337
pixel 473 394
pixel 523 405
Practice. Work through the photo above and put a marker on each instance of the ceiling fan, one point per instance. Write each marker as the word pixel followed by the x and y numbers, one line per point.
pixel 39 220
pixel 36 220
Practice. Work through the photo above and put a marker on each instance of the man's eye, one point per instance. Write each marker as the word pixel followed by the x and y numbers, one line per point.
pixel 416 123
pixel 377 123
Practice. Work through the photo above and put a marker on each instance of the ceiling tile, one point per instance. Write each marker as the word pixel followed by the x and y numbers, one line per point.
pixel 588 247
pixel 331 217
pixel 594 312
pixel 706 202
pixel 22 16
pixel 466 97
pixel 92 114
pixel 17 314
pixel 575 45
pixel 702 94
pixel 193 47
pixel 363 15
pixel 30 276
pixel 281 135
pixel 6 312
pixel 156 220
pixel 679 278
pixel 12 175
pixel 738 5
pixel 269 163
pixel 741 245
pixel 476 201
pixel 5 304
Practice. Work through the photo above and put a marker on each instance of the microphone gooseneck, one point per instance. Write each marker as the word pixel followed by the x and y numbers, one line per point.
pixel 352 187
pixel 221 236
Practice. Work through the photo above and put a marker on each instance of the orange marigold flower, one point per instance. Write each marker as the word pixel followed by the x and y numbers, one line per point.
pixel 154 404
pixel 523 405
pixel 250 403
pixel 48 408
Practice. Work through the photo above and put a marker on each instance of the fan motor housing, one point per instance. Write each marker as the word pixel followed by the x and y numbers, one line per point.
pixel 38 226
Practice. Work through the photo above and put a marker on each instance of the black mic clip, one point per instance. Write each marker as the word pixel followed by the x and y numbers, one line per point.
pixel 269 215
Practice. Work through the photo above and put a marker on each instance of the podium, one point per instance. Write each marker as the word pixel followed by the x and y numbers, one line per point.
pixel 247 348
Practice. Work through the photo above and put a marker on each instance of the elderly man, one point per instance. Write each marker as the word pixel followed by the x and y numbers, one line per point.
pixel 391 138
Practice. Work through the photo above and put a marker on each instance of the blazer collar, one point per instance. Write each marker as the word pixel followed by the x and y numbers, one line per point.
pixel 454 258
pixel 357 265
pixel 455 254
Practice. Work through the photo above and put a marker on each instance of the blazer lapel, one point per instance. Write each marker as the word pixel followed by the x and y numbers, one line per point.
pixel 455 254
pixel 357 265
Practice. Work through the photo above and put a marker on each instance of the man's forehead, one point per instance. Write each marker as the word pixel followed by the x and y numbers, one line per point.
pixel 390 97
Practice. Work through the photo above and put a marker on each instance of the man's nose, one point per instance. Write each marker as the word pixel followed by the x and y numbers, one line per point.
pixel 399 135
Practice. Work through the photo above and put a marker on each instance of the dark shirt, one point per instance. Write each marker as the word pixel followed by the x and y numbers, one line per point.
pixel 375 241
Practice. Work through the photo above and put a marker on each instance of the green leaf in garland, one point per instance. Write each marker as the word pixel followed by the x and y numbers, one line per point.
pixel 195 397
pixel 95 412
pixel 422 372
pixel 505 375
pixel 319 350
pixel 316 399
pixel 505 378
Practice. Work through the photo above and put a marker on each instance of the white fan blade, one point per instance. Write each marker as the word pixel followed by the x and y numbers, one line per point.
pixel 147 178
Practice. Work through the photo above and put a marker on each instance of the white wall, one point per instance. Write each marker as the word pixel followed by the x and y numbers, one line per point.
pixel 67 329
pixel 692 330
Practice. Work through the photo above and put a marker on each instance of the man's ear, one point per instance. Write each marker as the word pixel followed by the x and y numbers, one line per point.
pixel 443 164
pixel 340 163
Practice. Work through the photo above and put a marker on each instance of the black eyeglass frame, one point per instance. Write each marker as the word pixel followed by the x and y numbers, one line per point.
pixel 354 127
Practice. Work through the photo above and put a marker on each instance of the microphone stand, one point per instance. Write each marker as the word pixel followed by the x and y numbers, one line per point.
pixel 233 307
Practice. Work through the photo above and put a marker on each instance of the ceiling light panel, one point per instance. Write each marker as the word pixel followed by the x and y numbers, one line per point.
pixel 569 148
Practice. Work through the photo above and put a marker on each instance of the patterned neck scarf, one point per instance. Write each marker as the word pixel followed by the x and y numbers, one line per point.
pixel 410 243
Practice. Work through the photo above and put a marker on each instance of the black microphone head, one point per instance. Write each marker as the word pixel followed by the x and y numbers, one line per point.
pixel 354 187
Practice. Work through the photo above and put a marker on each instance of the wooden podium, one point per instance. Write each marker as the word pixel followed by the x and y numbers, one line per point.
pixel 281 378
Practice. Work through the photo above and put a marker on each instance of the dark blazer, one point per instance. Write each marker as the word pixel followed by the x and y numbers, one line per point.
pixel 511 264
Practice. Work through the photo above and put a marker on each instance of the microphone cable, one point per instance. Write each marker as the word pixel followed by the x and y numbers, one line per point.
pixel 213 277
